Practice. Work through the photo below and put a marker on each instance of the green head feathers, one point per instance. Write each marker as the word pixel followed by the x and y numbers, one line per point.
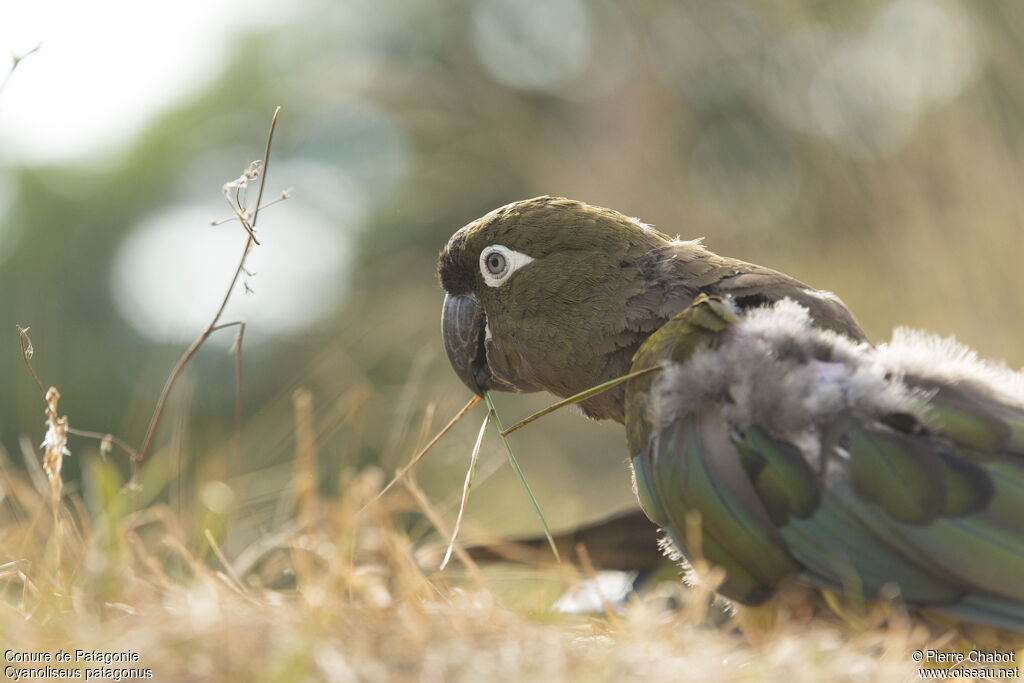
pixel 538 293
pixel 554 294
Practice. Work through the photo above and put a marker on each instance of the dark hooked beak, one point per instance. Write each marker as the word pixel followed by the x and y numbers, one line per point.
pixel 462 327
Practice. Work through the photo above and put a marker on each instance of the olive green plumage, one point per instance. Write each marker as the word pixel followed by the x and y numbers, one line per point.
pixel 613 281
pixel 806 451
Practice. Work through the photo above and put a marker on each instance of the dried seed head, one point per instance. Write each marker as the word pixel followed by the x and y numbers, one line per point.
pixel 55 441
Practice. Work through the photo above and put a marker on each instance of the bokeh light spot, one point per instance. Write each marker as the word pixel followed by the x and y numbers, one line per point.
pixel 532 44
pixel 106 67
pixel 171 273
pixel 850 108
pixel 927 51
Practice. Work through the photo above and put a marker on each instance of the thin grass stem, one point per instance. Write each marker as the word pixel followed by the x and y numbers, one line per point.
pixel 426 449
pixel 465 489
pixel 493 414
pixel 576 398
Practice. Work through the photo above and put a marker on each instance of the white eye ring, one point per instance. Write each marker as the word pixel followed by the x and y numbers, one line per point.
pixel 497 263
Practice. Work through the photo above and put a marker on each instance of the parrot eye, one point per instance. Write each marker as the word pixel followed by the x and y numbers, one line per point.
pixel 497 263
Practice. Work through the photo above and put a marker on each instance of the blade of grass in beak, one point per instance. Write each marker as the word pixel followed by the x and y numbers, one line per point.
pixel 493 414
pixel 465 490
pixel 576 398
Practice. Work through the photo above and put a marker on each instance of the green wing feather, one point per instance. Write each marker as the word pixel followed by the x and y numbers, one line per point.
pixel 681 469
pixel 932 503
pixel 783 479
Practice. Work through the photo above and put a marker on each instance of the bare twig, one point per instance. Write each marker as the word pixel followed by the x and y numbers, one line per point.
pixel 243 216
pixel 16 60
pixel 26 355
pixel 237 194
pixel 191 351
pixel 236 350
pixel 55 442
pixel 283 196
pixel 101 437
pixel 27 351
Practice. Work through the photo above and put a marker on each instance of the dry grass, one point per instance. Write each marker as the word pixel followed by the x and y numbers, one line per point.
pixel 340 596
pixel 338 593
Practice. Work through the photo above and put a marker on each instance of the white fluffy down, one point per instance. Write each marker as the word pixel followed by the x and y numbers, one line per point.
pixel 775 369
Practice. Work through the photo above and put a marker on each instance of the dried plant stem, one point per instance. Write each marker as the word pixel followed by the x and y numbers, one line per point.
pixel 426 449
pixel 16 61
pixel 242 214
pixel 576 398
pixel 588 567
pixel 99 436
pixel 435 519
pixel 183 361
pixel 493 414
pixel 425 423
pixel 465 489
pixel 26 355
pixel 305 459
pixel 154 422
pixel 234 581
pixel 277 200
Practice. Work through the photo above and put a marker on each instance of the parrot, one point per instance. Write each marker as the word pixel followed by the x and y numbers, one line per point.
pixel 765 419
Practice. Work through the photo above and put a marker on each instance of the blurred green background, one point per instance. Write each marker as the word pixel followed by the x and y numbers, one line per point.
pixel 872 148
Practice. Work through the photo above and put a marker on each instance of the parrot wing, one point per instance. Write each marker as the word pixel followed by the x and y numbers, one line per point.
pixel 796 451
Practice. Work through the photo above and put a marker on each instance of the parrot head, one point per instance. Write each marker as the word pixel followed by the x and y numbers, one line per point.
pixel 548 294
